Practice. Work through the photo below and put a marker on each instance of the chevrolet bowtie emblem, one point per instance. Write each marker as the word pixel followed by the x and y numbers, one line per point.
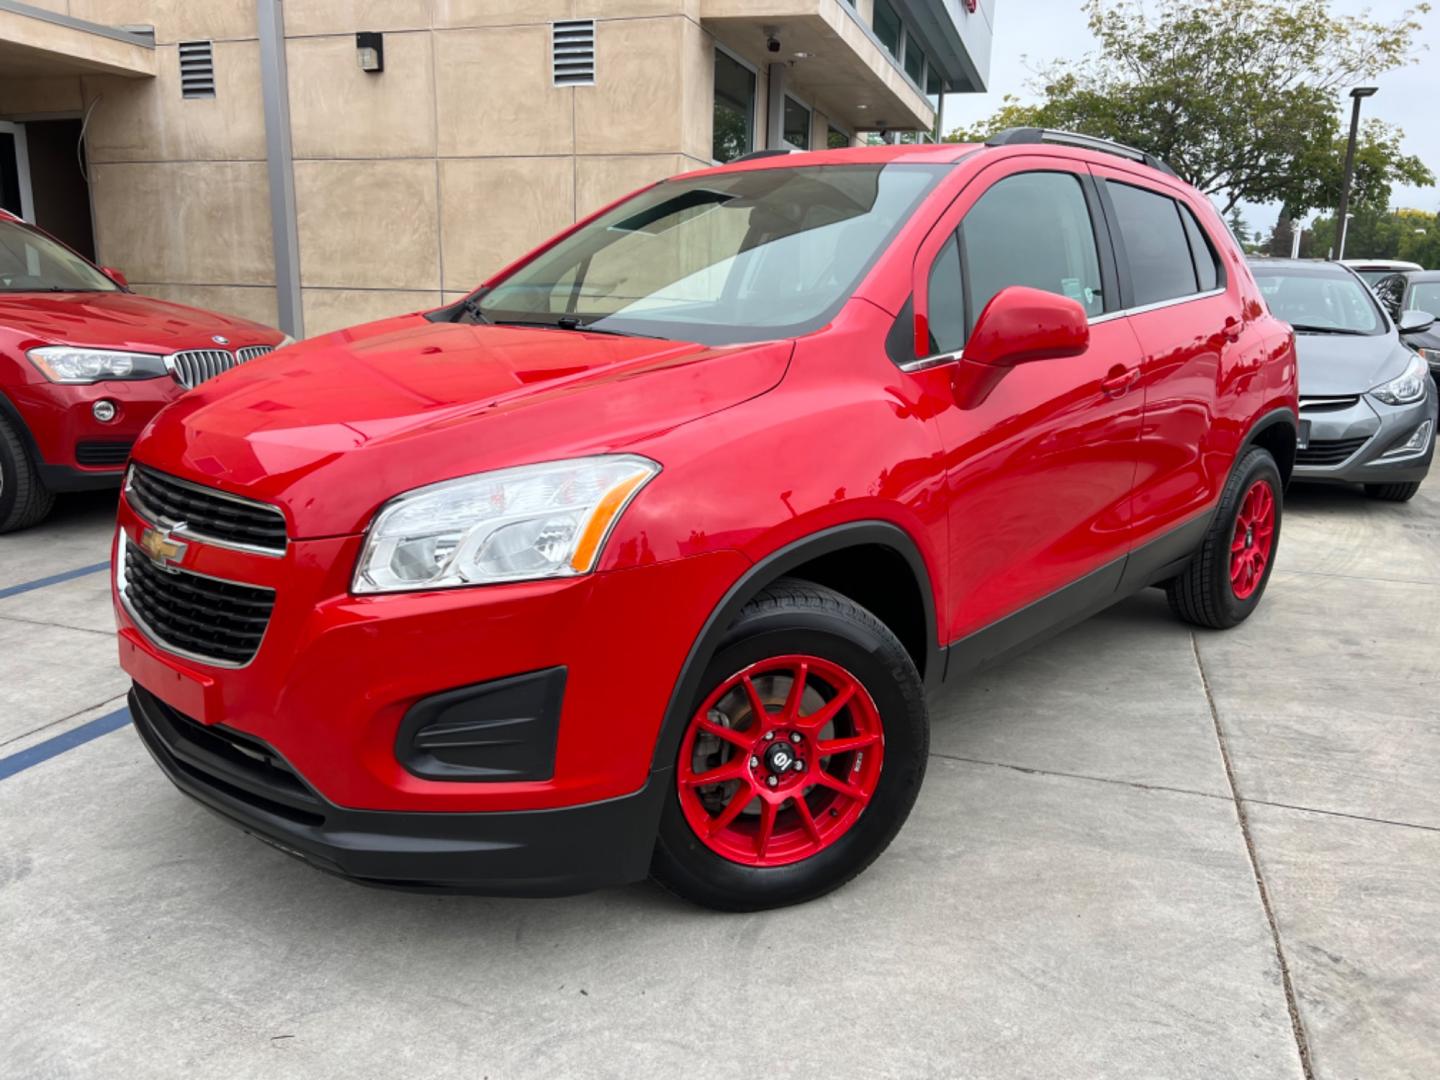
pixel 161 547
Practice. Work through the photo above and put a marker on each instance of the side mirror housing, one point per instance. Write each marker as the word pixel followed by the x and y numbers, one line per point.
pixel 1414 322
pixel 115 275
pixel 1020 325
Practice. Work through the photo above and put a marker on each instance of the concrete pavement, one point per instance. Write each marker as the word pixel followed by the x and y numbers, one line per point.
pixel 1140 852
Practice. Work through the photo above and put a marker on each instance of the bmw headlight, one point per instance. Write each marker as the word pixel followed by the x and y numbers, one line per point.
pixel 1406 388
pixel 64 364
pixel 536 521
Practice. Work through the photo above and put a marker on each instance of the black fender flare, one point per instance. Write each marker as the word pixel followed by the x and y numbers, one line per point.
pixel 1274 417
pixel 777 564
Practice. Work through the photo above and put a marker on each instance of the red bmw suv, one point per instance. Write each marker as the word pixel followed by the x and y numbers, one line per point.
pixel 644 557
pixel 85 363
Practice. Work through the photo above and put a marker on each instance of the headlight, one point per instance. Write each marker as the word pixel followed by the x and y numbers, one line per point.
pixel 535 521
pixel 63 364
pixel 1408 387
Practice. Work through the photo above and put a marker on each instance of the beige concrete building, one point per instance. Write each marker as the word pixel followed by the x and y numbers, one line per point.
pixel 317 163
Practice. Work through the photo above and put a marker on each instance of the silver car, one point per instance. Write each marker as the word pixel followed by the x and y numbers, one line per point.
pixel 1367 403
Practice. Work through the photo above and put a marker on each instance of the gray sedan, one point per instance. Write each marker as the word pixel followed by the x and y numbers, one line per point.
pixel 1367 403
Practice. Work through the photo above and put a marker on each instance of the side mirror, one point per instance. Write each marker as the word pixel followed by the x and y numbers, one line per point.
pixel 1415 322
pixel 1021 324
pixel 115 276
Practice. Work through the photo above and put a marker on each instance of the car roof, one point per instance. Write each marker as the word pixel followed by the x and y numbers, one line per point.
pixel 1381 264
pixel 1262 261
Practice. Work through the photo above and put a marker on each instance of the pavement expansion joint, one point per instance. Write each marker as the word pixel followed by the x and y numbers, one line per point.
pixel 1302 1043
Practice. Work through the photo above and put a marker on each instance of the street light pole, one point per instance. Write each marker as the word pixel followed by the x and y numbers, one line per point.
pixel 1341 215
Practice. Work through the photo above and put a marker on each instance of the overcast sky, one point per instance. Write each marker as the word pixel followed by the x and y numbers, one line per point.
pixel 1030 32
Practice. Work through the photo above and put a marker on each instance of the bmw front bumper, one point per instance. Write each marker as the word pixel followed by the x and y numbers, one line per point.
pixel 1360 440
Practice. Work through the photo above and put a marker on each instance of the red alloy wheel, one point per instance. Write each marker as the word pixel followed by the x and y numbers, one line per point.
pixel 780 761
pixel 1254 538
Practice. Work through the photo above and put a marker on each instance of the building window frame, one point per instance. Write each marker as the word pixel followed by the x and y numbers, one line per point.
pixel 754 125
pixel 809 126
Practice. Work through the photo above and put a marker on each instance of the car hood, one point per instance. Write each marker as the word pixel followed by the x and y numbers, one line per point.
pixel 333 427
pixel 1333 365
pixel 120 320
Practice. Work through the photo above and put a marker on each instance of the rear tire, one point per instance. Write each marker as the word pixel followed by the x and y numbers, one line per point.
pixel 24 499
pixel 1393 492
pixel 1224 581
pixel 809 794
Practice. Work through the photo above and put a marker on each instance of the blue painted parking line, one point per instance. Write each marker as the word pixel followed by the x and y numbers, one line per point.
pixel 53 579
pixel 93 729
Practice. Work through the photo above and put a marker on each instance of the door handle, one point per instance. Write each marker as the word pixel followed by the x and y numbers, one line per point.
pixel 1119 380
pixel 1232 328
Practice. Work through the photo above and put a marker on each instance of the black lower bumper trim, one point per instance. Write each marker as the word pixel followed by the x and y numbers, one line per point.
pixel 504 853
pixel 67 478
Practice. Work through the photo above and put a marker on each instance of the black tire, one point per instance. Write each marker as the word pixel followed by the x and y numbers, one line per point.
pixel 1393 492
pixel 1202 594
pixel 24 499
pixel 793 616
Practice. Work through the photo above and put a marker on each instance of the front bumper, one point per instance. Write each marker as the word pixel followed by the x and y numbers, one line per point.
pixel 1350 440
pixel 520 853
pixel 76 450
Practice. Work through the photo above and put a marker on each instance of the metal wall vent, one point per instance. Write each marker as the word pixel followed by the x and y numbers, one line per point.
pixel 572 52
pixel 197 69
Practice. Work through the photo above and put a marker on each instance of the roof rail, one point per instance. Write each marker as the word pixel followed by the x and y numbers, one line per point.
pixel 1023 135
pixel 758 155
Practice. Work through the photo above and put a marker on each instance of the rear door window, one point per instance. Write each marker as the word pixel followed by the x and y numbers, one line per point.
pixel 1156 246
pixel 1031 229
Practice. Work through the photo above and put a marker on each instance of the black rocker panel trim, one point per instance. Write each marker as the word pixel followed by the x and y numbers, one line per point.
pixel 501 730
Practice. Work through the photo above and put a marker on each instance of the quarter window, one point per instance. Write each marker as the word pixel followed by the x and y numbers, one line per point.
pixel 734 134
pixel 1031 229
pixel 946 300
pixel 1207 263
pixel 1161 265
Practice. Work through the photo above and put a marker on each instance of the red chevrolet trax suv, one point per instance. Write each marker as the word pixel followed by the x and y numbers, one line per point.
pixel 643 558
pixel 85 364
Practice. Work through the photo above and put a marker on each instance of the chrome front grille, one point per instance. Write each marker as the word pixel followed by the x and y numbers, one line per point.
pixel 205 514
pixel 194 366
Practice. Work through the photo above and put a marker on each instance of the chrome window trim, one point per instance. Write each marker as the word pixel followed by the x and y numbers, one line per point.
pixel 932 361
pixel 122 556
pixel 184 532
pixel 945 358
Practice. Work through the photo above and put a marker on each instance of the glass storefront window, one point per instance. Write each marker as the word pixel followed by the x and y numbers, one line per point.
pixel 837 140
pixel 797 124
pixel 734 134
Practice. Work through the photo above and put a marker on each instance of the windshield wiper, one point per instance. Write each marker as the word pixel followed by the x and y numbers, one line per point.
pixel 570 322
pixel 1302 328
pixel 471 306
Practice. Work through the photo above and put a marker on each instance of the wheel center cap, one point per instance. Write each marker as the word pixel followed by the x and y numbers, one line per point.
pixel 780 758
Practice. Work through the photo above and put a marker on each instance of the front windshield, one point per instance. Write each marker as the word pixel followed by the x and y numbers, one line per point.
pixel 32 262
pixel 1425 296
pixel 733 257
pixel 1320 300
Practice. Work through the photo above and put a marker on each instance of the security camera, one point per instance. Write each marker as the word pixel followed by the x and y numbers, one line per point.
pixel 772 38
pixel 773 44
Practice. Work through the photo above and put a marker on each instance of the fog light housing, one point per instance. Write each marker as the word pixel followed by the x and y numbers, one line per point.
pixel 104 410
pixel 1415 444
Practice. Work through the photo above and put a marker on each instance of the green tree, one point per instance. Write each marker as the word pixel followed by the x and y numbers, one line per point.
pixel 1239 98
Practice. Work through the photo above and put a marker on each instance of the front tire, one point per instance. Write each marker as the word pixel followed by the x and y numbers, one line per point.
pixel 802 758
pixel 24 499
pixel 1224 581
pixel 1393 492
